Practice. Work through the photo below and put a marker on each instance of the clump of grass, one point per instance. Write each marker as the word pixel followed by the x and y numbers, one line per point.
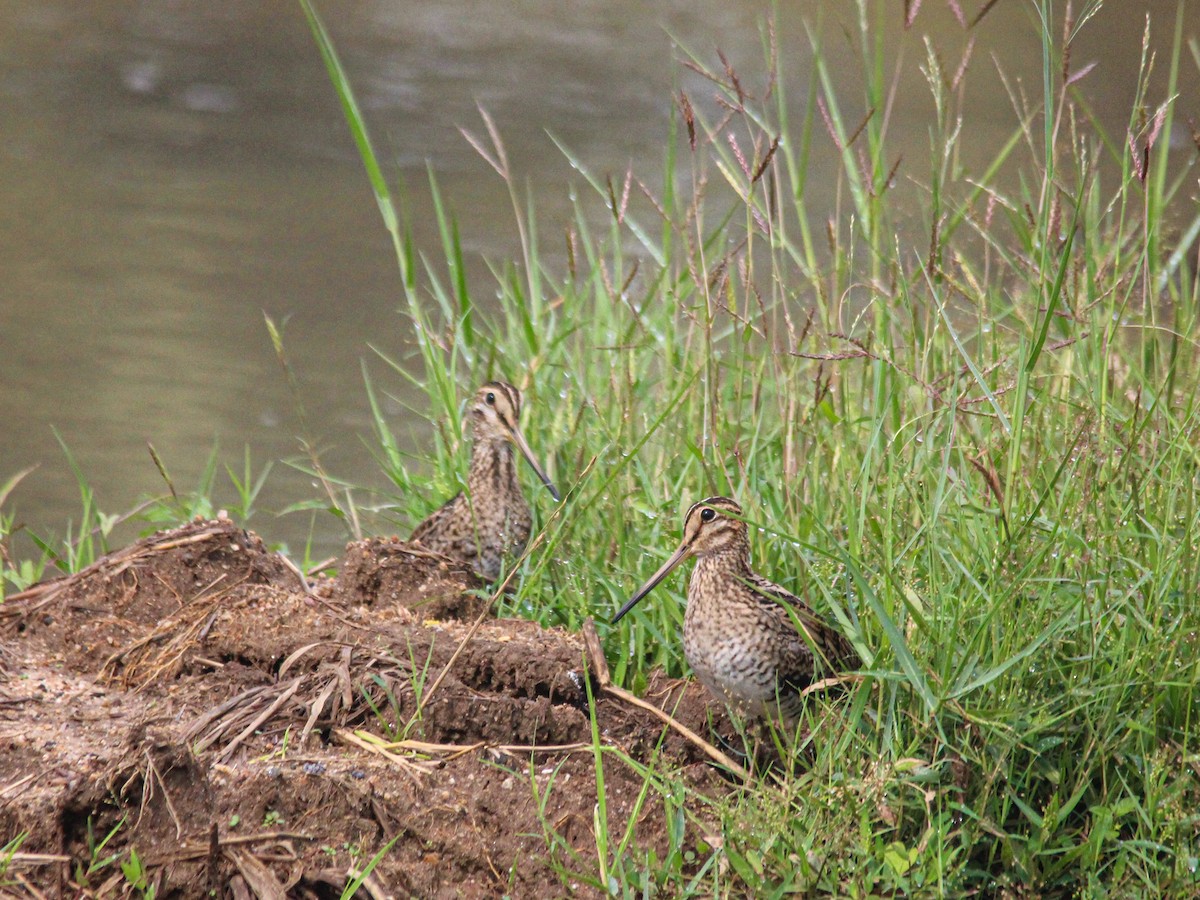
pixel 16 574
pixel 182 506
pixel 972 445
pixel 83 543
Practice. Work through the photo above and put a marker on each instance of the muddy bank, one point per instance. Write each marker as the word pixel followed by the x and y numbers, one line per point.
pixel 196 699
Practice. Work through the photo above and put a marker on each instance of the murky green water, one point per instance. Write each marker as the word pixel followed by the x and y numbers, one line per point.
pixel 171 170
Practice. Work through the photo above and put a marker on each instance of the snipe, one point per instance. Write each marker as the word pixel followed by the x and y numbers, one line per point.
pixel 490 521
pixel 740 632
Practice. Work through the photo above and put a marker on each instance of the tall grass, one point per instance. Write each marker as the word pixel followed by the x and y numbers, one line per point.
pixel 979 458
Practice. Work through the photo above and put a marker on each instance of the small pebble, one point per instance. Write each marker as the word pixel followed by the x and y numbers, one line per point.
pixel 273 771
pixel 357 773
pixel 314 768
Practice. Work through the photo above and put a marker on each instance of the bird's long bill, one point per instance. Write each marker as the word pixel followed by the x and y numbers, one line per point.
pixel 676 558
pixel 523 446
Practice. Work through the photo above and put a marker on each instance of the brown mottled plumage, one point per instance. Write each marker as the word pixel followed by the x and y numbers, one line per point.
pixel 739 631
pixel 491 521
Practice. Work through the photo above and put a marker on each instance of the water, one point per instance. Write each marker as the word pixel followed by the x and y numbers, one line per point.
pixel 172 169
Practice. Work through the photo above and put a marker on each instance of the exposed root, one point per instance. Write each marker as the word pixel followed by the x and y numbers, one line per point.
pixel 600 670
pixel 179 634
pixel 335 690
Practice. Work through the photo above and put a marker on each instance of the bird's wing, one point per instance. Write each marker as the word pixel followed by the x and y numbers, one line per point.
pixel 786 611
pixel 439 532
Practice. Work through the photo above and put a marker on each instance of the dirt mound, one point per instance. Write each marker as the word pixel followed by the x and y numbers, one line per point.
pixel 391 571
pixel 247 733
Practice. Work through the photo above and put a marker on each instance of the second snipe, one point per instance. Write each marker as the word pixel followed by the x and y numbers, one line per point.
pixel 741 632
pixel 489 522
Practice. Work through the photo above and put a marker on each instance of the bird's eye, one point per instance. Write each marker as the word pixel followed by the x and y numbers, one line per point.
pixel 707 515
pixel 491 399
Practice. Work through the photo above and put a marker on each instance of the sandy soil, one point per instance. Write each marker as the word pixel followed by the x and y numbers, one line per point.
pixel 191 696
